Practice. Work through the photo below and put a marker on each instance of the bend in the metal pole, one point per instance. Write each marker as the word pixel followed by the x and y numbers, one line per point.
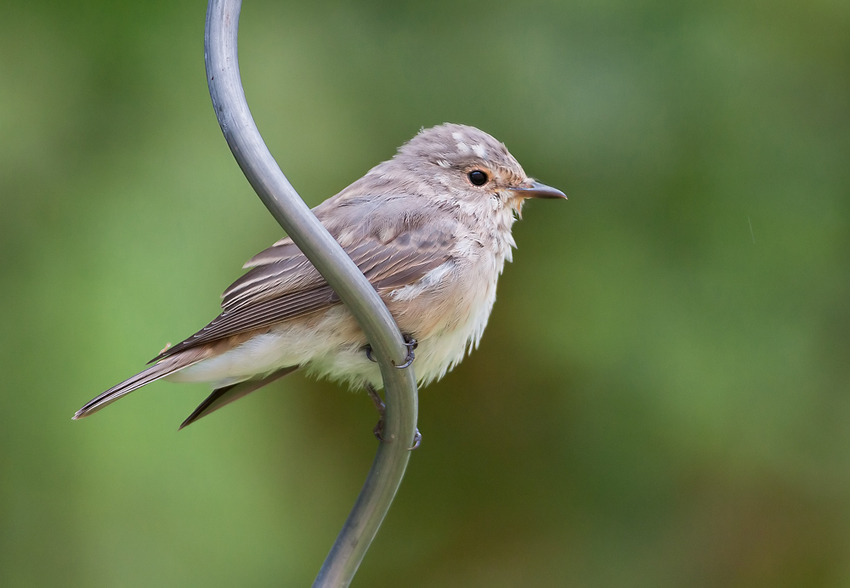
pixel 341 273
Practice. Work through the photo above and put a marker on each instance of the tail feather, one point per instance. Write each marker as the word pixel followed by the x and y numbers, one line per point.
pixel 223 396
pixel 160 370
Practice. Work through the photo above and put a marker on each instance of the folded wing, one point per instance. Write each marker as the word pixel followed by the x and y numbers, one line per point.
pixel 392 251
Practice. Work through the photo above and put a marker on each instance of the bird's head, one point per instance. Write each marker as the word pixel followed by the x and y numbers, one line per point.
pixel 471 166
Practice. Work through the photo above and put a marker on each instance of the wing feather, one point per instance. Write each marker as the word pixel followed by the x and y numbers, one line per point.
pixel 282 284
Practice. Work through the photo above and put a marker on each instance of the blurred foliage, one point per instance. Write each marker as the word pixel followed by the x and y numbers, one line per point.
pixel 662 397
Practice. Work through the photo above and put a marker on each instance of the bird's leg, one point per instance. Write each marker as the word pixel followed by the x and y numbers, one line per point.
pixel 382 409
pixel 411 344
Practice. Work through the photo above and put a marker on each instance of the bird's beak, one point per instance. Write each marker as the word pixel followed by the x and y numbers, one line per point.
pixel 535 189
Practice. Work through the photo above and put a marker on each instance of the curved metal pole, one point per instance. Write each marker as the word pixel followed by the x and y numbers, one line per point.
pixel 237 124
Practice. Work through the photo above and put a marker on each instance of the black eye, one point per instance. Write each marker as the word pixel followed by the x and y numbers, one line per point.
pixel 478 177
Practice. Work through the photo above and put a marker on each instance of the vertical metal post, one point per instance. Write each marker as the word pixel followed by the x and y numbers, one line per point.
pixel 243 137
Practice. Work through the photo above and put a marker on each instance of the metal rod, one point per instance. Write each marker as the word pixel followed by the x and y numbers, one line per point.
pixel 258 165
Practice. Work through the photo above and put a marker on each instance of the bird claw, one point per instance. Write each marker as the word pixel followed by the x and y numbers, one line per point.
pixel 409 342
pixel 379 431
pixel 417 440
pixel 379 435
pixel 379 406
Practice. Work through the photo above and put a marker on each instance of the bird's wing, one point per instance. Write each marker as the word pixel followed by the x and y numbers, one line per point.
pixel 283 284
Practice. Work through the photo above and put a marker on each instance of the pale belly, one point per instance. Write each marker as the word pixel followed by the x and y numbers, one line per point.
pixel 444 314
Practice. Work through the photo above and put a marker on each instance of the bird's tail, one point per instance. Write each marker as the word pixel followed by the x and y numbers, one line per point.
pixel 166 367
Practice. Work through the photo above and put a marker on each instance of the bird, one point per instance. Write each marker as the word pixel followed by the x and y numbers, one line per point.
pixel 430 229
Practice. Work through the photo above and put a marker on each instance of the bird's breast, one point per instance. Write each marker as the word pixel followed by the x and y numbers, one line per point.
pixel 448 308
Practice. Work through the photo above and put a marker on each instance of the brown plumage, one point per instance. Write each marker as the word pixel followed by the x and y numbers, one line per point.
pixel 429 228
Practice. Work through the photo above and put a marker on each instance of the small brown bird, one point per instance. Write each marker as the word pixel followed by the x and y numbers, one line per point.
pixel 430 229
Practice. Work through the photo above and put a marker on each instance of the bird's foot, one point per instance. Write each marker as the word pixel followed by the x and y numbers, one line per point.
pixel 417 440
pixel 379 435
pixel 382 409
pixel 378 431
pixel 409 342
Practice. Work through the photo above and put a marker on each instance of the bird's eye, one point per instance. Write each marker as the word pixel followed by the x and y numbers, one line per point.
pixel 478 177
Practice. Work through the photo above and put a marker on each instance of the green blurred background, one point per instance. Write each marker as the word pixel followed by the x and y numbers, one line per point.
pixel 662 397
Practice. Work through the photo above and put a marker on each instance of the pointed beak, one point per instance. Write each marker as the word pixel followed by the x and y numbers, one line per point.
pixel 535 189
